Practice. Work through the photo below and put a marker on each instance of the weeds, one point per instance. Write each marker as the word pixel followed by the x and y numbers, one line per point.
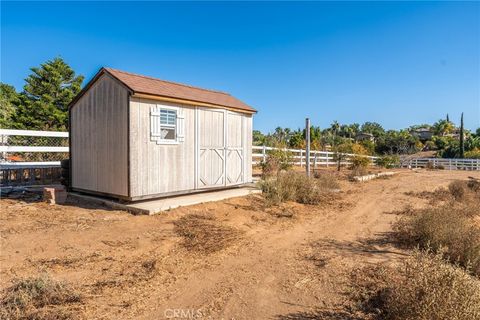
pixel 202 233
pixel 449 228
pixel 424 287
pixel 277 160
pixel 294 186
pixel 38 298
pixel 326 180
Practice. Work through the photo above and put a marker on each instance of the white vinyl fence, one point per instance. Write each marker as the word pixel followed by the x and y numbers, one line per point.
pixel 33 157
pixel 317 158
pixel 441 163
pixel 30 157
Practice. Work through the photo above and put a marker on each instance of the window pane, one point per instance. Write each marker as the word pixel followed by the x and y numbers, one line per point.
pixel 167 133
pixel 168 117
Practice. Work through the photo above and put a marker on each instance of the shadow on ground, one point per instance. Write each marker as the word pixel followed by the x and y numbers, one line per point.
pixel 319 315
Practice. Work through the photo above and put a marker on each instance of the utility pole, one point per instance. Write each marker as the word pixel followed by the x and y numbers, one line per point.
pixel 307 140
pixel 462 139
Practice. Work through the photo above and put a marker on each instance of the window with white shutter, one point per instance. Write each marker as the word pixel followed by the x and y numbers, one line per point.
pixel 166 124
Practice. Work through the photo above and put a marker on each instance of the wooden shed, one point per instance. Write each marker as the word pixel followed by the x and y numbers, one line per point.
pixel 134 137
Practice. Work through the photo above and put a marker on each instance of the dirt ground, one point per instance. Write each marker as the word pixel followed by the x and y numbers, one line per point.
pixel 288 262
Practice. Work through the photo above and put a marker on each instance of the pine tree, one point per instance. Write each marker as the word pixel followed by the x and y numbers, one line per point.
pixel 46 95
pixel 462 142
pixel 448 118
pixel 9 100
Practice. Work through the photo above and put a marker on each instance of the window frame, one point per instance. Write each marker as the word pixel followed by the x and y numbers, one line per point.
pixel 161 107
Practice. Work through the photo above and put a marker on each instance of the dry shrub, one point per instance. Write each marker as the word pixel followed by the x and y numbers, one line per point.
pixel 424 287
pixel 204 234
pixel 277 160
pixel 445 228
pixel 460 191
pixel 326 180
pixel 457 189
pixel 295 186
pixel 39 298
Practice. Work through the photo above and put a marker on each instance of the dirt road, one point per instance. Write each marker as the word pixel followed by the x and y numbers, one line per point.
pixel 290 266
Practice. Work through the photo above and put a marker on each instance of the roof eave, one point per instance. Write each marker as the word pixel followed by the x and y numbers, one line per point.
pixel 90 83
pixel 145 95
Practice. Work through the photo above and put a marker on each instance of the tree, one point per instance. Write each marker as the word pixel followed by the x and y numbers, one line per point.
pixel 335 126
pixel 373 128
pixel 9 100
pixel 477 133
pixel 46 95
pixel 448 118
pixel 397 142
pixel 462 138
pixel 443 127
pixel 258 138
pixel 340 153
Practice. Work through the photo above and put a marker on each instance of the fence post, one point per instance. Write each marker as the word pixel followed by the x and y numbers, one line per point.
pixel 301 158
pixel 315 160
pixel 307 151
pixel 264 154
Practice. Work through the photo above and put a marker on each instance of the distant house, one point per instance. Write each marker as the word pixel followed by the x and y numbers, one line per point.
pixel 454 134
pixel 364 136
pixel 423 134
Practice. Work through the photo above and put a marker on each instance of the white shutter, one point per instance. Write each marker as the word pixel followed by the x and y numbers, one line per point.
pixel 154 124
pixel 180 125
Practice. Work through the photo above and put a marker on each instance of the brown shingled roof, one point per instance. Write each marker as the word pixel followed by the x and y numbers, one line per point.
pixel 151 86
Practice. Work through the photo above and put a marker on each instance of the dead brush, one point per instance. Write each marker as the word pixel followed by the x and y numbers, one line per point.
pixel 202 233
pixel 326 180
pixel 423 287
pixel 39 298
pixel 295 186
pixel 448 228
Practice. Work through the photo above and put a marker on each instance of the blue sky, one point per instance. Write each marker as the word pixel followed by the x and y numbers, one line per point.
pixel 397 63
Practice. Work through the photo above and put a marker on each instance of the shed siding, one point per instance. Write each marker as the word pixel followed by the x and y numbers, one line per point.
pixel 248 143
pixel 99 138
pixel 168 168
pixel 159 168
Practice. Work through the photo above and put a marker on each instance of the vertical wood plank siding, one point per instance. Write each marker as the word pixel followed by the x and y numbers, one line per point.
pixel 166 168
pixel 99 139
pixel 158 168
pixel 248 142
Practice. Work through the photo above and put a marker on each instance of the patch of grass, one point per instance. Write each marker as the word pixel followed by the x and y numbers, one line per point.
pixel 295 186
pixel 204 234
pixel 39 298
pixel 423 287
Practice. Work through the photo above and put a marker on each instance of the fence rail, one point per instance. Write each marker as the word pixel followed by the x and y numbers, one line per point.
pixel 317 158
pixel 441 163
pixel 33 157
pixel 29 157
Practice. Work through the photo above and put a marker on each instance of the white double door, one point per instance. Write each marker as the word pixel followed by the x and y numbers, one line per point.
pixel 220 148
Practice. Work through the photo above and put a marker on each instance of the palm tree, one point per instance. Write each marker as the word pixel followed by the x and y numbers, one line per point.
pixel 334 127
pixel 443 127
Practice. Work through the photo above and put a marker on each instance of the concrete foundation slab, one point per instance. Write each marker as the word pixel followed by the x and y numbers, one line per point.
pixel 158 205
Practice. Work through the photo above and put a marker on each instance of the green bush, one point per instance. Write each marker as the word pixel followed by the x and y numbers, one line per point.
pixel 389 162
pixel 473 154
pixel 423 287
